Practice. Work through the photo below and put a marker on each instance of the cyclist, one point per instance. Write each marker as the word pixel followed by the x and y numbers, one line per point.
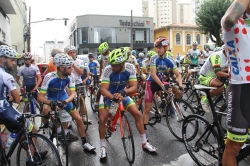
pixel 51 67
pixel 140 59
pixel 146 64
pixel 115 78
pixel 9 94
pixel 77 73
pixel 194 58
pixel 215 67
pixel 132 59
pixel 31 75
pixel 93 64
pixel 159 64
pixel 235 31
pixel 52 91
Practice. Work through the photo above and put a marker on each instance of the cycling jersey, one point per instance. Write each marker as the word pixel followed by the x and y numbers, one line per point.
pixel 79 63
pixel 85 71
pixel 216 62
pixel 118 81
pixel 28 74
pixel 194 55
pixel 139 61
pixel 93 67
pixel 105 60
pixel 236 41
pixel 161 64
pixel 146 64
pixel 132 60
pixel 54 86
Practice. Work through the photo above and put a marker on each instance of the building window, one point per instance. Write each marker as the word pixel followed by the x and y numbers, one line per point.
pixel 102 34
pixel 188 39
pixel 198 39
pixel 177 39
pixel 140 35
pixel 82 35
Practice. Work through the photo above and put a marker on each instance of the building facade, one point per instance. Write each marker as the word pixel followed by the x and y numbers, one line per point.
pixel 163 11
pixel 48 46
pixel 87 32
pixel 184 13
pixel 181 37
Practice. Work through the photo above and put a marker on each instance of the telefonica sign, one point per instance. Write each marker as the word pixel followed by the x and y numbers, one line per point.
pixel 135 24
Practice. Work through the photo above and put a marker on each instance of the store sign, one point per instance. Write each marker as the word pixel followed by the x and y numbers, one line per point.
pixel 4 30
pixel 135 24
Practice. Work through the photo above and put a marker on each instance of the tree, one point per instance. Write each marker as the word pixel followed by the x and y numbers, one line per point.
pixel 209 18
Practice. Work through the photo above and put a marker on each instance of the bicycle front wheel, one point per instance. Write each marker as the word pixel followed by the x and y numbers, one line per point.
pixel 127 139
pixel 175 116
pixel 93 97
pixel 84 113
pixel 205 146
pixel 41 144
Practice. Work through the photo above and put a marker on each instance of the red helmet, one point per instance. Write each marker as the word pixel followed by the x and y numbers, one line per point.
pixel 27 55
pixel 161 41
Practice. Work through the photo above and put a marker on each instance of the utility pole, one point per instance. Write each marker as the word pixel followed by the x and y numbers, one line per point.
pixel 131 30
pixel 29 33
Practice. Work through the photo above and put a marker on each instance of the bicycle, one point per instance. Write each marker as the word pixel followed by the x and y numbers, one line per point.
pixel 180 110
pixel 49 129
pixel 125 132
pixel 94 90
pixel 77 102
pixel 203 140
pixel 33 105
pixel 45 153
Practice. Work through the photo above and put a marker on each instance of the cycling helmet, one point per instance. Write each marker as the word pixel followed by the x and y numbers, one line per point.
pixel 61 59
pixel 195 43
pixel 133 52
pixel 141 54
pixel 103 47
pixel 27 55
pixel 70 48
pixel 161 41
pixel 90 55
pixel 118 56
pixel 8 52
pixel 151 53
pixel 125 50
pixel 169 54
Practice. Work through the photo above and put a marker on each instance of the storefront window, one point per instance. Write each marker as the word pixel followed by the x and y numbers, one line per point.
pixel 140 35
pixel 83 35
pixel 104 35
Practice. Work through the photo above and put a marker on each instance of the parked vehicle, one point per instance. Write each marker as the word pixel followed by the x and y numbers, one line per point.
pixel 42 67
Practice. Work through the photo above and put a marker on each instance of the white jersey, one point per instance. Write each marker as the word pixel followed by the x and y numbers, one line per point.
pixel 207 54
pixel 132 60
pixel 146 64
pixel 105 60
pixel 79 63
pixel 7 84
pixel 28 74
pixel 216 61
pixel 237 41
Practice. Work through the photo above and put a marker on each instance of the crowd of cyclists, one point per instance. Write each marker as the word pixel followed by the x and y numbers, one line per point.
pixel 119 70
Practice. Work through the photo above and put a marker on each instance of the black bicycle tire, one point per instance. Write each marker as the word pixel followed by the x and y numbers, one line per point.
pixel 167 117
pixel 87 90
pixel 81 99
pixel 153 121
pixel 212 131
pixel 51 145
pixel 55 135
pixel 93 97
pixel 131 161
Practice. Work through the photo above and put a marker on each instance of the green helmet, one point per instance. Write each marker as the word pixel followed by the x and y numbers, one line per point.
pixel 151 53
pixel 118 56
pixel 125 49
pixel 103 47
pixel 169 53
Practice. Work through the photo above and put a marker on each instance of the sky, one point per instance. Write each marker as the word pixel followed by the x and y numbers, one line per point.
pixel 59 9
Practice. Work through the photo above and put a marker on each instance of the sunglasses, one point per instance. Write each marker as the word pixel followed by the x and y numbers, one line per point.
pixel 68 67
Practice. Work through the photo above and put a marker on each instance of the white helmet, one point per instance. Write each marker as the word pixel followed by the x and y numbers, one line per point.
pixel 8 52
pixel 195 43
pixel 70 48
pixel 141 54
pixel 27 55
pixel 61 59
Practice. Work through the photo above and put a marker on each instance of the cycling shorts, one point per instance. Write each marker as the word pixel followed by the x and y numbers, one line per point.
pixel 238 115
pixel 205 80
pixel 151 88
pixel 8 118
pixel 106 104
pixel 69 108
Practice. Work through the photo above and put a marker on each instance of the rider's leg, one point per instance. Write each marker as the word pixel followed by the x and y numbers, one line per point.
pixel 230 152
pixel 188 75
pixel 216 83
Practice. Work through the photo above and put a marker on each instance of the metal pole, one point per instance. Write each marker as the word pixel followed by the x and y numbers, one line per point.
pixel 29 33
pixel 131 30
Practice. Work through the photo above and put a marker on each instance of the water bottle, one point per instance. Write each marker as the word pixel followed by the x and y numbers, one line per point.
pixel 32 107
pixel 204 102
pixel 11 139
pixel 113 108
pixel 4 140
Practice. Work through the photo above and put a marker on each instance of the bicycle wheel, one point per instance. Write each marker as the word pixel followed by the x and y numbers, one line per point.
pixel 205 146
pixel 93 98
pixel 40 144
pixel 87 90
pixel 219 101
pixel 154 115
pixel 59 140
pixel 84 114
pixel 127 139
pixel 223 118
pixel 175 117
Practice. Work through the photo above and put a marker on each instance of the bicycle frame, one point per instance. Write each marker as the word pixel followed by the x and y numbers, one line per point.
pixel 119 111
